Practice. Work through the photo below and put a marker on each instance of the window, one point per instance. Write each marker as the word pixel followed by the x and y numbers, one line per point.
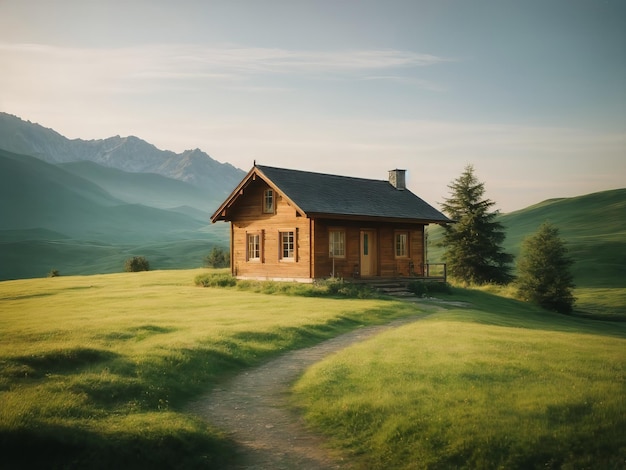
pixel 402 244
pixel 254 247
pixel 268 201
pixel 337 243
pixel 288 245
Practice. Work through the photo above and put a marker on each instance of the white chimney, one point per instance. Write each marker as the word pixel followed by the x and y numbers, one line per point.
pixel 397 179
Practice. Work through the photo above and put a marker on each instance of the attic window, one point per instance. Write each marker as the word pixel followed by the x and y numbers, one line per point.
pixel 268 201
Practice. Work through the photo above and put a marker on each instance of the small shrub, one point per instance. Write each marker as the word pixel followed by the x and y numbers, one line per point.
pixel 54 273
pixel 324 288
pixel 215 280
pixel 136 264
pixel 338 287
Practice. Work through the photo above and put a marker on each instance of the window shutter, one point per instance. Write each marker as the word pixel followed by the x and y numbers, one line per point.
pixel 247 247
pixel 295 244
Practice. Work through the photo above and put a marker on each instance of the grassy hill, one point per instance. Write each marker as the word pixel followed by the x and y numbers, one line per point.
pixel 494 385
pixel 99 371
pixel 593 227
pixel 56 219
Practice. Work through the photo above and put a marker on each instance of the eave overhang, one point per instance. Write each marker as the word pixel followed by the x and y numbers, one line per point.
pixel 222 212
pixel 369 218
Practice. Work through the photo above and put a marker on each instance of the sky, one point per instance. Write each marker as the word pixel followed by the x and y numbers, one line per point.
pixel 531 93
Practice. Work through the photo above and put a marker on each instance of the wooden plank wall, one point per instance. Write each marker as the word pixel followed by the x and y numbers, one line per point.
pixel 248 217
pixel 388 265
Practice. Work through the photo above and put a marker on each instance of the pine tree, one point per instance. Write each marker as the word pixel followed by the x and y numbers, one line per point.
pixel 217 258
pixel 544 271
pixel 473 243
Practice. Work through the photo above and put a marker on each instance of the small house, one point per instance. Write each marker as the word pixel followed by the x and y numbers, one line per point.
pixel 298 225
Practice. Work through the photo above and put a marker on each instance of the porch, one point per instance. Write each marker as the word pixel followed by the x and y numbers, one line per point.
pixel 432 272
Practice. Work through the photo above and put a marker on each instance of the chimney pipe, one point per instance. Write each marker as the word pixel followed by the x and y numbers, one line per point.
pixel 397 179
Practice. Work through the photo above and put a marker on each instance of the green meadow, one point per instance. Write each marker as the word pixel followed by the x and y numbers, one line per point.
pixel 95 371
pixel 495 385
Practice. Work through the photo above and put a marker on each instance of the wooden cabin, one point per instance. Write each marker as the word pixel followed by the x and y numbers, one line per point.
pixel 297 225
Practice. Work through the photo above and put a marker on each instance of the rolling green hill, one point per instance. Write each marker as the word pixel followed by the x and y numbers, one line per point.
pixel 51 218
pixel 593 227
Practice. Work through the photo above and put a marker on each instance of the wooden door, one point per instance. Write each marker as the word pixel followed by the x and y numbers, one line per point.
pixel 368 253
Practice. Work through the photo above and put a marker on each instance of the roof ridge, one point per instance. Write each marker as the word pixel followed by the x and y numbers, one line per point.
pixel 321 174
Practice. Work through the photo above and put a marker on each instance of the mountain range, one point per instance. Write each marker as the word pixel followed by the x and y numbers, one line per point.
pixel 82 207
pixel 129 154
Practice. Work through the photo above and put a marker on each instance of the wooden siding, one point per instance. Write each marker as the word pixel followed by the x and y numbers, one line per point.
pixel 349 265
pixel 248 218
pixel 312 236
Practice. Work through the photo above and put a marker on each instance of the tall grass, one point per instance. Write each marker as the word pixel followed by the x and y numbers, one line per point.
pixel 95 371
pixel 499 386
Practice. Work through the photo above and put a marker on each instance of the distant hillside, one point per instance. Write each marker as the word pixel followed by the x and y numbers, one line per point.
pixel 51 218
pixel 35 195
pixel 593 227
pixel 129 154
pixel 146 188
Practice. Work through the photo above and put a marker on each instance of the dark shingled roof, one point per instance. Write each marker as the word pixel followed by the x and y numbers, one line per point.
pixel 321 194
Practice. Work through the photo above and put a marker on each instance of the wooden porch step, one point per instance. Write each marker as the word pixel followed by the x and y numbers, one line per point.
pixel 394 288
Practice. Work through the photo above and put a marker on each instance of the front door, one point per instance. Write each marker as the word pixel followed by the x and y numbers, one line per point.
pixel 368 253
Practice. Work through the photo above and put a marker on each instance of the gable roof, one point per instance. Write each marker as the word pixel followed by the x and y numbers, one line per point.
pixel 318 194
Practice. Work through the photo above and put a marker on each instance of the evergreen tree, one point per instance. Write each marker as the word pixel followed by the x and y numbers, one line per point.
pixel 217 258
pixel 544 271
pixel 473 243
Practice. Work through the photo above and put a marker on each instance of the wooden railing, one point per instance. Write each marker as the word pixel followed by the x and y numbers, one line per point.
pixel 432 271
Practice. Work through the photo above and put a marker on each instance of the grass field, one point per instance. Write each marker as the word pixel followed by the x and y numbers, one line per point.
pixel 497 385
pixel 95 371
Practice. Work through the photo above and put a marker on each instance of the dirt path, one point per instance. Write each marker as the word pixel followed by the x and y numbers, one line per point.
pixel 252 409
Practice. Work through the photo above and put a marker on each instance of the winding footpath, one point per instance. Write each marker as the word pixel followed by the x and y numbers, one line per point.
pixel 252 408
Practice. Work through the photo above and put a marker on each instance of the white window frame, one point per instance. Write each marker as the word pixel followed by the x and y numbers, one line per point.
pixel 254 251
pixel 398 246
pixel 288 249
pixel 337 239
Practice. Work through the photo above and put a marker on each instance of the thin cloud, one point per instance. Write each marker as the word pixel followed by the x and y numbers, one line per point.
pixel 193 61
pixel 425 84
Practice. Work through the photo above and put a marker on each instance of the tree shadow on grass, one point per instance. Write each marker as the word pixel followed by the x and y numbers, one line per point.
pixel 58 361
pixel 49 446
pixel 491 309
